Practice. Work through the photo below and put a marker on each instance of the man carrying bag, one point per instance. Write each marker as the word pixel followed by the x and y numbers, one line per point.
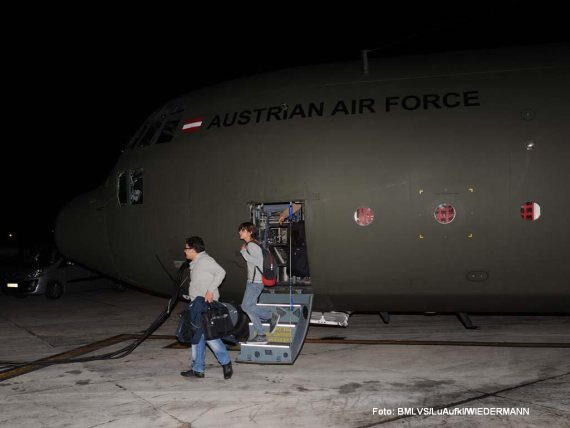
pixel 205 277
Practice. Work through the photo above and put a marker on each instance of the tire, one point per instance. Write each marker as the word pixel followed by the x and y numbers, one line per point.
pixel 241 329
pixel 54 290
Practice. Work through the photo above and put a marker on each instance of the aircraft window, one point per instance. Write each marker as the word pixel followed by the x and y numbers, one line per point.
pixel 130 187
pixel 364 216
pixel 160 128
pixel 444 213
pixel 530 211
pixel 168 131
pixel 148 134
pixel 135 139
pixel 137 186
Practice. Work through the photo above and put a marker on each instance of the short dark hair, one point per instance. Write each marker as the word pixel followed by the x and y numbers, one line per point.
pixel 196 243
pixel 250 227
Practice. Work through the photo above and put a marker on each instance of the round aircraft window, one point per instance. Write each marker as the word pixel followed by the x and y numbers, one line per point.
pixel 444 213
pixel 530 211
pixel 363 216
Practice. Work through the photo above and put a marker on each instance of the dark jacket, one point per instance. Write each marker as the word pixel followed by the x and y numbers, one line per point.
pixel 197 307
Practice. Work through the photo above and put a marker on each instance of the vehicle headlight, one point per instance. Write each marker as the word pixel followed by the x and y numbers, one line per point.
pixel 35 273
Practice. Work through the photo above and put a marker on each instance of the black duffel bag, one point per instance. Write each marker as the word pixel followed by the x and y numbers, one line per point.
pixel 217 322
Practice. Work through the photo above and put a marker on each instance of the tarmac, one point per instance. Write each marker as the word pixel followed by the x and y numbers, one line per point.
pixel 412 373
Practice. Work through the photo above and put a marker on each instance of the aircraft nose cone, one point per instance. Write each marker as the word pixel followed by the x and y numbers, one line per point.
pixel 81 233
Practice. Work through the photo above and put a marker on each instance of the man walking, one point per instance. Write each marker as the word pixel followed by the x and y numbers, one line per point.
pixel 205 277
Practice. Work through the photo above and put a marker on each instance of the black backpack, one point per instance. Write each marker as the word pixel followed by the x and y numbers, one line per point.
pixel 269 273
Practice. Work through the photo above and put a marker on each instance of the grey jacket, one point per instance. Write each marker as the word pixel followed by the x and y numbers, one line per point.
pixel 254 257
pixel 205 275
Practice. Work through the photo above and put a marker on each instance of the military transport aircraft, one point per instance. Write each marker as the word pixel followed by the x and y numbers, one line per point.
pixel 417 184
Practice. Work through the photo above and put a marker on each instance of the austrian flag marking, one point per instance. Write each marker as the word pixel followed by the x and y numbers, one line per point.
pixel 192 125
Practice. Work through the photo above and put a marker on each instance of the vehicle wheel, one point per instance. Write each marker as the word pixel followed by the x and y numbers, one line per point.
pixel 54 290
pixel 241 329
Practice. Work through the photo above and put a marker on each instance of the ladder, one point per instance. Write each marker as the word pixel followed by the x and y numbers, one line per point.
pixel 285 343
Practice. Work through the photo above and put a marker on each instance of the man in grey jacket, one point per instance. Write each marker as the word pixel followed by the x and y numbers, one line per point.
pixel 205 277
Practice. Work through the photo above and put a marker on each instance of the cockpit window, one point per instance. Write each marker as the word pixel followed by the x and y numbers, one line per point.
pixel 167 132
pixel 148 134
pixel 159 129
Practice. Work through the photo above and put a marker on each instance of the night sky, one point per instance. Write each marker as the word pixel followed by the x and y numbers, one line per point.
pixel 77 90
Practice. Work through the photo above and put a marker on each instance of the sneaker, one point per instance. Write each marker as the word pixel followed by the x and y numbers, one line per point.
pixel 228 371
pixel 274 321
pixel 192 373
pixel 260 339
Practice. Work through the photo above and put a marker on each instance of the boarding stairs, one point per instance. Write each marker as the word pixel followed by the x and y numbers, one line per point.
pixel 285 343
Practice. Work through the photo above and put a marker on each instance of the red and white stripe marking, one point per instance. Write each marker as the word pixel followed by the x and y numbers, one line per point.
pixel 192 125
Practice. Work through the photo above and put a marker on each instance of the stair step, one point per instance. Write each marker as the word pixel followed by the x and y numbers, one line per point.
pixel 279 305
pixel 264 345
pixel 282 334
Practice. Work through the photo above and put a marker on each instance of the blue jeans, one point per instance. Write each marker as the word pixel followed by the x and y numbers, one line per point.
pixel 199 353
pixel 249 306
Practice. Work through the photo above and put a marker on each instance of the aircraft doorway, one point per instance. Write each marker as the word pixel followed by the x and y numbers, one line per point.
pixel 281 229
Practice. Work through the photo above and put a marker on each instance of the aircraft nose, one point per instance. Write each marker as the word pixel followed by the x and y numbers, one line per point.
pixel 81 233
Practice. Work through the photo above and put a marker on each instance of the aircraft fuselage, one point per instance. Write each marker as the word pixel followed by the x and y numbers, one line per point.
pixel 445 151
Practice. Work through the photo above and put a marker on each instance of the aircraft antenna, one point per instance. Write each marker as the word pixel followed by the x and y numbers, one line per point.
pixel 364 54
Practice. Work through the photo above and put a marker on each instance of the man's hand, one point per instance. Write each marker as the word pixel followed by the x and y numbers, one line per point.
pixel 209 297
